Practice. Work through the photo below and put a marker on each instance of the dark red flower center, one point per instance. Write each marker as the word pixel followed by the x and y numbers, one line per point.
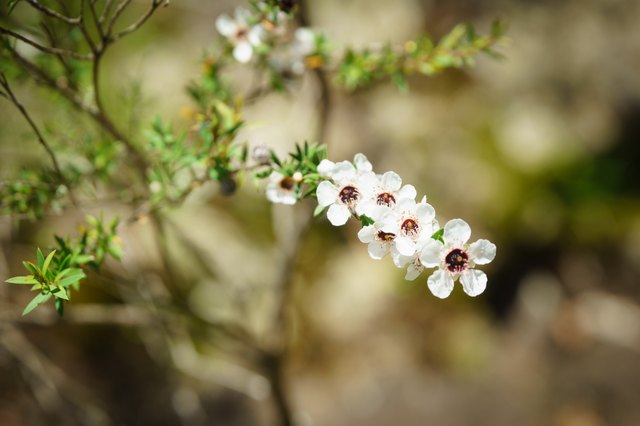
pixel 385 236
pixel 410 227
pixel 349 195
pixel 456 260
pixel 386 199
pixel 287 183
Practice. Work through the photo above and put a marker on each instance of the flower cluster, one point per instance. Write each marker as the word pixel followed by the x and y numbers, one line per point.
pixel 394 223
pixel 267 32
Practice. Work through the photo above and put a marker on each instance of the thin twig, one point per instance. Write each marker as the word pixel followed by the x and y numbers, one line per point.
pixel 96 114
pixel 47 49
pixel 105 11
pixel 96 20
pixel 56 166
pixel 121 7
pixel 47 11
pixel 131 28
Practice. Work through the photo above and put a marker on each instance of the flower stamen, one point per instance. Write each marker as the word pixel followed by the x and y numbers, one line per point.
pixel 456 260
pixel 349 195
pixel 386 199
pixel 410 227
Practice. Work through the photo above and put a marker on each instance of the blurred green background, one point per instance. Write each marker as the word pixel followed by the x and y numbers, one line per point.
pixel 538 152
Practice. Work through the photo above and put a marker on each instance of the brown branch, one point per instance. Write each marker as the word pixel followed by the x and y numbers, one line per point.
pixel 46 49
pixel 121 7
pixel 133 27
pixel 96 20
pixel 96 114
pixel 56 166
pixel 105 11
pixel 50 12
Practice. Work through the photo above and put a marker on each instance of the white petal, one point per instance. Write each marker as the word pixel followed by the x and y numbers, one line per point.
pixel 327 193
pixel 226 26
pixel 391 181
pixel 378 250
pixel 272 194
pixel 482 252
pixel 288 198
pixel 474 282
pixel 305 41
pixel 405 245
pixel 343 172
pixel 243 52
pixel 242 15
pixel 440 283
pixel 399 260
pixel 362 164
pixel 408 191
pixel 256 34
pixel 413 272
pixel 367 234
pixel 456 232
pixel 325 168
pixel 425 212
pixel 406 204
pixel 338 214
pixel 431 254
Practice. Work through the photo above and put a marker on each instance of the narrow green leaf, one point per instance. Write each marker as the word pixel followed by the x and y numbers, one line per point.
pixel 319 210
pixel 59 304
pixel 40 258
pixel 28 279
pixel 38 300
pixel 60 293
pixel 31 267
pixel 73 276
pixel 47 261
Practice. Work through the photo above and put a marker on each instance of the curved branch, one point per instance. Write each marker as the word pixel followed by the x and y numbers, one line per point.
pixel 133 27
pixel 50 12
pixel 46 49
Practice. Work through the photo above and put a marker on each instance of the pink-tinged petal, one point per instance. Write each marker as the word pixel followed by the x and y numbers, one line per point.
pixel 391 181
pixel 327 193
pixel 413 272
pixel 408 191
pixel 338 214
pixel 474 282
pixel 432 253
pixel 378 250
pixel 243 52
pixel 456 232
pixel 425 213
pixel 482 252
pixel 367 234
pixel 226 26
pixel 325 168
pixel 405 245
pixel 440 283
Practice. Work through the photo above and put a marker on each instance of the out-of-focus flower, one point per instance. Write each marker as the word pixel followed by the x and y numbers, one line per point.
pixel 457 259
pixel 241 33
pixel 283 189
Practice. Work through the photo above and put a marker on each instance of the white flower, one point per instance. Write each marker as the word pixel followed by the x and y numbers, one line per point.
pixel 379 242
pixel 387 191
pixel 241 33
pixel 350 181
pixel 410 222
pixel 457 259
pixel 282 189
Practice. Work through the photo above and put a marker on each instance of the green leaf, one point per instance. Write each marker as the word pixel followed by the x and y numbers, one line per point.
pixel 28 279
pixel 47 261
pixel 31 267
pixel 60 293
pixel 38 300
pixel 366 220
pixel 40 258
pixel 59 304
pixel 319 210
pixel 82 259
pixel 438 235
pixel 73 276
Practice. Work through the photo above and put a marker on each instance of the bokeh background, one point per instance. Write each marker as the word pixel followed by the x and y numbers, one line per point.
pixel 538 152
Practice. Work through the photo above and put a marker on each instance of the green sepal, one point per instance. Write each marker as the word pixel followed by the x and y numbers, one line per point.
pixel 438 235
